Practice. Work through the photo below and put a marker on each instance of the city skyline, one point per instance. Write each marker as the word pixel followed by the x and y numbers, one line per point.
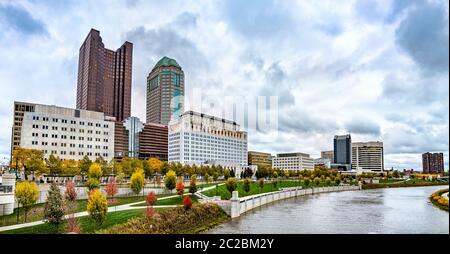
pixel 374 110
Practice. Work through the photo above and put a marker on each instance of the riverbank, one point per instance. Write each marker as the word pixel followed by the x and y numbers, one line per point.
pixel 439 200
pixel 409 183
pixel 199 218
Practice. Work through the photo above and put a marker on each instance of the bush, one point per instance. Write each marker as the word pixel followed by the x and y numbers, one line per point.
pixel 306 181
pixel 246 185
pixel 54 206
pixel 71 193
pixel 95 171
pixel 180 187
pixel 274 183
pixel 170 180
pixel 137 181
pixel 337 180
pixel 151 199
pixel 193 184
pixel 97 206
pixel 27 193
pixel 149 212
pixel 231 184
pixel 317 181
pixel 328 180
pixel 261 184
pixel 111 188
pixel 187 202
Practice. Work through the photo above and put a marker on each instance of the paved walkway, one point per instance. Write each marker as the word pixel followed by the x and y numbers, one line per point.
pixel 118 208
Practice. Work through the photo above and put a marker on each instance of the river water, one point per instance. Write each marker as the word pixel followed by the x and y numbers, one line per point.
pixel 378 211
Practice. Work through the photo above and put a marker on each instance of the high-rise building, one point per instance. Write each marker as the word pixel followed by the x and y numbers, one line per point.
pixel 368 156
pixel 201 139
pixel 327 155
pixel 64 132
pixel 135 139
pixel 165 92
pixel 259 159
pixel 104 77
pixel 342 152
pixel 293 161
pixel 433 163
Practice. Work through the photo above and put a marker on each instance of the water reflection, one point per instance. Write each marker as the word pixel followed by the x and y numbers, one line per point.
pixel 395 210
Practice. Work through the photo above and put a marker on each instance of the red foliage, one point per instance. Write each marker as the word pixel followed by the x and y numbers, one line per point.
pixel 71 193
pixel 112 188
pixel 72 225
pixel 149 212
pixel 180 187
pixel 187 202
pixel 151 199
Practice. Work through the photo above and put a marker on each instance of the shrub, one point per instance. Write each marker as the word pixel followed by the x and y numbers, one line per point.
pixel 95 171
pixel 193 184
pixel 231 184
pixel 170 180
pixel 274 183
pixel 246 185
pixel 27 193
pixel 137 181
pixel 149 212
pixel 54 206
pixel 306 181
pixel 328 180
pixel 261 183
pixel 112 189
pixel 71 193
pixel 180 187
pixel 187 202
pixel 97 206
pixel 337 180
pixel 317 181
pixel 275 175
pixel 151 199
pixel 72 225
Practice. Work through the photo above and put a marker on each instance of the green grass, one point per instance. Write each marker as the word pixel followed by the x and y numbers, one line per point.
pixel 382 181
pixel 37 211
pixel 254 189
pixel 171 201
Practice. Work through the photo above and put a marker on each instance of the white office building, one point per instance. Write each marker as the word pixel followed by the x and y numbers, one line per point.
pixel 201 139
pixel 367 156
pixel 293 161
pixel 64 132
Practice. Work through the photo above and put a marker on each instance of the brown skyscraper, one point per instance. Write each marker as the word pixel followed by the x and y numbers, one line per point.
pixel 104 77
pixel 433 163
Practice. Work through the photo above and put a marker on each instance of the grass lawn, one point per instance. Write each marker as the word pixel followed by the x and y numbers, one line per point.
pixel 391 180
pixel 37 211
pixel 254 189
pixel 172 201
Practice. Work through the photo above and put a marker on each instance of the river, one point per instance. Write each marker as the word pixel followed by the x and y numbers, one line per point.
pixel 377 211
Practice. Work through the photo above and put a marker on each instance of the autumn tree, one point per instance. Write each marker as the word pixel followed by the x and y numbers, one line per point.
pixel 112 189
pixel 137 181
pixel 54 165
pixel 328 180
pixel 187 202
pixel 155 165
pixel 36 165
pixel 274 183
pixel 95 171
pixel 97 206
pixel 306 181
pixel 261 184
pixel 170 180
pixel 151 199
pixel 84 165
pixel 54 206
pixel 317 180
pixel 71 193
pixel 180 187
pixel 193 184
pixel 231 184
pixel 26 193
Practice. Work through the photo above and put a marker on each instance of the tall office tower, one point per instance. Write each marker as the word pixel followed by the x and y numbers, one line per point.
pixel 343 151
pixel 104 77
pixel 327 155
pixel 165 92
pixel 368 156
pixel 433 163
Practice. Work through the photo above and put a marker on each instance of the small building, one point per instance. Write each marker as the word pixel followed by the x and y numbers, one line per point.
pixel 7 185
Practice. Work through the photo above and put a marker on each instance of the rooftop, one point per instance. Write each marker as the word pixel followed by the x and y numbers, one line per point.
pixel 165 61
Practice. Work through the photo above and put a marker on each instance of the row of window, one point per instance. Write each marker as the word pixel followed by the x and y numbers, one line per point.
pixel 55 128
pixel 35 143
pixel 45 135
pixel 74 153
pixel 56 120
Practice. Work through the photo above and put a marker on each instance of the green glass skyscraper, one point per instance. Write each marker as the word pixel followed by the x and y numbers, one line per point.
pixel 165 92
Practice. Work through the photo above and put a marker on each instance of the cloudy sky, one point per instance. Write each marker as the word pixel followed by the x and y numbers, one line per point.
pixel 378 69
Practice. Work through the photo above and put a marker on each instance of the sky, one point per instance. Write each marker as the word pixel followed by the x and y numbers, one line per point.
pixel 378 69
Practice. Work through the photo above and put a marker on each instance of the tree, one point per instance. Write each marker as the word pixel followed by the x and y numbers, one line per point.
pixel 27 193
pixel 54 206
pixel 193 184
pixel 151 199
pixel 112 189
pixel 170 180
pixel 155 165
pixel 233 173
pixel 215 176
pixel 95 171
pixel 275 175
pixel 106 169
pixel 137 181
pixel 71 193
pixel 248 173
pixel 306 181
pixel 246 185
pixel 70 167
pixel 261 184
pixel 206 178
pixel 84 165
pixel 92 184
pixel 180 187
pixel 226 174
pixel 328 180
pixel 36 165
pixel 231 184
pixel 54 165
pixel 97 206
pixel 337 180
pixel 21 160
pixel 274 183
pixel 187 202
pixel 317 180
